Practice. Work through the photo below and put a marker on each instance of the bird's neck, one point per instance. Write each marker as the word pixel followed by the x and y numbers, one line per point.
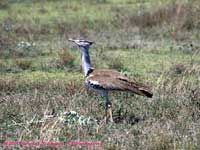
pixel 86 64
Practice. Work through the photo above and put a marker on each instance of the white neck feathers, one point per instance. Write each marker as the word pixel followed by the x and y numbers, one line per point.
pixel 86 64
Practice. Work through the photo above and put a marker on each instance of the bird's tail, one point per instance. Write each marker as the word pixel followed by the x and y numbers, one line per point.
pixel 140 89
pixel 146 92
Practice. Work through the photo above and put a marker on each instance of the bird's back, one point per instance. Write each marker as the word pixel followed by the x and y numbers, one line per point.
pixel 105 79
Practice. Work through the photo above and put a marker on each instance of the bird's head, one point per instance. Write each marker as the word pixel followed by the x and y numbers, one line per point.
pixel 83 44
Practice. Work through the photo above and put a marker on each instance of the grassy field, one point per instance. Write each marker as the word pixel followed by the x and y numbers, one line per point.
pixel 152 41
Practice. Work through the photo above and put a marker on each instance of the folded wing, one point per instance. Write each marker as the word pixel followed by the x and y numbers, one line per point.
pixel 113 80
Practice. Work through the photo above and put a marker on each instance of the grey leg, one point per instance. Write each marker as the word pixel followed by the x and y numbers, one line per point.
pixel 108 105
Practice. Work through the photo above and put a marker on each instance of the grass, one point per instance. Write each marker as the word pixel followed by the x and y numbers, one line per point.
pixel 40 72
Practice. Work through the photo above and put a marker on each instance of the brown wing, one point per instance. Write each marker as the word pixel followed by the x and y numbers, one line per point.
pixel 113 80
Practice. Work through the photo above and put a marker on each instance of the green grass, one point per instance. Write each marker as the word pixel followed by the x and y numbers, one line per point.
pixel 82 14
pixel 46 77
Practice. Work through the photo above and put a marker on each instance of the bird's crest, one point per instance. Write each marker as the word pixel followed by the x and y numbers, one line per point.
pixel 81 42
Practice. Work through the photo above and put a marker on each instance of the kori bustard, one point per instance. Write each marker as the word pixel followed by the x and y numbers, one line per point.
pixel 104 80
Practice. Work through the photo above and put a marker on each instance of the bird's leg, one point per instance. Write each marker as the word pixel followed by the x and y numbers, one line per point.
pixel 109 110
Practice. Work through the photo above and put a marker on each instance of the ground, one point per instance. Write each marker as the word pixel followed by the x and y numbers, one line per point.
pixel 152 41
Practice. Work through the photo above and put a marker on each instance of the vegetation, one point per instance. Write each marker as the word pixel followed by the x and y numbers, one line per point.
pixel 152 41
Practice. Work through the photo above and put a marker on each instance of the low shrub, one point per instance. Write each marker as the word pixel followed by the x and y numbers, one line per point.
pixel 178 68
pixel 4 4
pixel 23 63
pixel 2 65
pixel 66 59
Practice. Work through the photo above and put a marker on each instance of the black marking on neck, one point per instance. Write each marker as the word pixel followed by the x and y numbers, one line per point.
pixel 89 71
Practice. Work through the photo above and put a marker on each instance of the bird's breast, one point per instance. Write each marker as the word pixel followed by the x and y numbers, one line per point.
pixel 93 84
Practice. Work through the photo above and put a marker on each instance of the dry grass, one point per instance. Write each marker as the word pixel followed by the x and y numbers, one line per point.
pixel 157 46
pixel 4 4
pixel 183 16
pixel 168 121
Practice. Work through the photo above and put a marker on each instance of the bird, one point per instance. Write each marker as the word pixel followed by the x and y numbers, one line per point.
pixel 102 81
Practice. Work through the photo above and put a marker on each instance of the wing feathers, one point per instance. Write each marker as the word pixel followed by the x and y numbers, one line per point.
pixel 113 80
